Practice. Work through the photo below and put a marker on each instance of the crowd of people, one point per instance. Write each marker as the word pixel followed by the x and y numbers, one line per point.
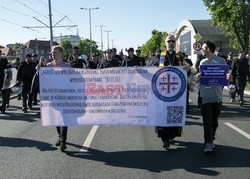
pixel 209 100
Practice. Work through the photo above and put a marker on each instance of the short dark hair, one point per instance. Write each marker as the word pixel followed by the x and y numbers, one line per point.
pixel 210 45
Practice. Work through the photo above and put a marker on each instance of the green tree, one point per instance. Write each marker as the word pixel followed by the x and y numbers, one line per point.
pixel 84 47
pixel 67 48
pixel 1 46
pixel 155 42
pixel 17 46
pixel 234 16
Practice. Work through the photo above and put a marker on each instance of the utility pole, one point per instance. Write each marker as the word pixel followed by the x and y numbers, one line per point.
pixel 50 26
pixel 90 33
pixel 108 36
pixel 112 44
pixel 101 35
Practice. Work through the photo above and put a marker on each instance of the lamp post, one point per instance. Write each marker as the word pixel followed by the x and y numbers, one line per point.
pixel 108 36
pixel 90 34
pixel 101 34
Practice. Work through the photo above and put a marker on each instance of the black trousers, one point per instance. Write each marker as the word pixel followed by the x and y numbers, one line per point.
pixel 34 94
pixel 210 113
pixel 240 83
pixel 5 99
pixel 169 133
pixel 26 95
pixel 62 132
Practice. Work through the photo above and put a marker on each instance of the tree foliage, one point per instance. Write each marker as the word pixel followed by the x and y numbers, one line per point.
pixel 67 48
pixel 84 47
pixel 1 46
pixel 157 41
pixel 234 16
pixel 17 46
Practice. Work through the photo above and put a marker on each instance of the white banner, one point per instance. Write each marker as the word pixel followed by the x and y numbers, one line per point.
pixel 10 75
pixel 145 96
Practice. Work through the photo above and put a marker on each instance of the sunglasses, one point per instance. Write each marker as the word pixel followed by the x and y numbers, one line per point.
pixel 173 41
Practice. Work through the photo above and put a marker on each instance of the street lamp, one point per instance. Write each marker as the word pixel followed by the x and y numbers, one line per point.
pixel 108 36
pixel 90 35
pixel 101 35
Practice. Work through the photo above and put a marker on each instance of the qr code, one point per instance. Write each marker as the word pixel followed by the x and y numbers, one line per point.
pixel 174 114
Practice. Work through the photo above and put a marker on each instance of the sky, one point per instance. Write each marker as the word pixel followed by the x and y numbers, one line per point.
pixel 130 21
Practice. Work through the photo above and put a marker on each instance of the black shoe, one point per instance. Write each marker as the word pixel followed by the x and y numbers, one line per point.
pixel 7 106
pixel 30 108
pixel 19 98
pixel 63 147
pixel 166 144
pixel 3 112
pixel 241 103
pixel 24 109
pixel 58 142
pixel 35 103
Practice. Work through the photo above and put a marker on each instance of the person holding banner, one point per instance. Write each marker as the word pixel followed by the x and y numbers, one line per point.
pixel 169 57
pixel 57 61
pixel 211 97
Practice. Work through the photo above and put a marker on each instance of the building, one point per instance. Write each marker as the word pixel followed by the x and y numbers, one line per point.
pixel 9 53
pixel 40 47
pixel 189 28
pixel 73 39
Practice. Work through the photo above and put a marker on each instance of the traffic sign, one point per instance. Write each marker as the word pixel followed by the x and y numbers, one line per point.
pixel 197 37
pixel 197 46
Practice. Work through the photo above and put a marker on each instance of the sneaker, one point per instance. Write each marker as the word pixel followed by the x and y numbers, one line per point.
pixel 58 142
pixel 208 147
pixel 166 144
pixel 63 147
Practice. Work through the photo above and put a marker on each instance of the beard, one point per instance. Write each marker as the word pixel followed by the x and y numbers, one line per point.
pixel 170 48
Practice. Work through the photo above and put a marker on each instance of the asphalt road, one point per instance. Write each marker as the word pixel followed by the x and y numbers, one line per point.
pixel 27 149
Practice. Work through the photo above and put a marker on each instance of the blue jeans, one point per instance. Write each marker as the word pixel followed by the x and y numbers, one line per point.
pixel 210 113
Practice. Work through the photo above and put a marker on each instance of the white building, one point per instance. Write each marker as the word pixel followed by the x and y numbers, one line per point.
pixel 73 39
pixel 189 28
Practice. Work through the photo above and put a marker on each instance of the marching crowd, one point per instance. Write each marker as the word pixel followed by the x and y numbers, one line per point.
pixel 210 97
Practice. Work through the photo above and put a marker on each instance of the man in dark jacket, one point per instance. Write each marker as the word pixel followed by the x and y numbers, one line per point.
pixel 25 74
pixel 75 62
pixel 5 92
pixel 141 59
pixel 132 59
pixel 240 72
pixel 94 61
pixel 169 57
pixel 109 61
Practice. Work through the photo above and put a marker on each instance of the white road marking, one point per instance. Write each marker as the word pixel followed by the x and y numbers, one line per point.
pixel 238 130
pixel 89 139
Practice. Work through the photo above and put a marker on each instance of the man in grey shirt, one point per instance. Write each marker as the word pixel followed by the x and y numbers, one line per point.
pixel 211 97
